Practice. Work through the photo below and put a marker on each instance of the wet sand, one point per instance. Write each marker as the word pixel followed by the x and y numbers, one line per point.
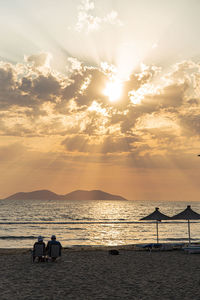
pixel 95 274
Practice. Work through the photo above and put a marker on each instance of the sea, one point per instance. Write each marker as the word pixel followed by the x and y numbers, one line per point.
pixel 91 223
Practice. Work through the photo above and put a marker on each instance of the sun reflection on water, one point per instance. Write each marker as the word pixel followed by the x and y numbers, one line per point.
pixel 89 222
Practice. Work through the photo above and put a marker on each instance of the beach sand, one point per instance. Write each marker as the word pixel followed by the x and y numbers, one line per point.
pixel 95 274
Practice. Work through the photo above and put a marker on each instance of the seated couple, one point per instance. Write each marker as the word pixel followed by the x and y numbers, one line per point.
pixel 52 250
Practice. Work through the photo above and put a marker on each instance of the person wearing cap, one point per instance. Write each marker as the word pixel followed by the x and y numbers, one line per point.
pixel 39 244
pixel 53 241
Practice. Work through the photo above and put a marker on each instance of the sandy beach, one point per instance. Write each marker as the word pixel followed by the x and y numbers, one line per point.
pixel 95 274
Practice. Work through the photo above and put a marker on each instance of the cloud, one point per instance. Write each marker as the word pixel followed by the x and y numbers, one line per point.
pixel 190 123
pixel 7 77
pixel 88 21
pixel 39 60
pixel 44 86
pixel 170 96
pixel 107 144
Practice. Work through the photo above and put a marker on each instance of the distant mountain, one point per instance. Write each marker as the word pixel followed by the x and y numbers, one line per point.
pixel 75 195
pixel 35 195
pixel 91 195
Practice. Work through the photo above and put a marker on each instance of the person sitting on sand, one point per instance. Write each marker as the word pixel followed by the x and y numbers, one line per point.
pixel 51 249
pixel 39 249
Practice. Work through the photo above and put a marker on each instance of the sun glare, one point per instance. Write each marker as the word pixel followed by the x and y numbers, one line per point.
pixel 113 90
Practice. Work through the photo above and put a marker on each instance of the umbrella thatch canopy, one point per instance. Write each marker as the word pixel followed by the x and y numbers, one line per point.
pixel 156 216
pixel 187 214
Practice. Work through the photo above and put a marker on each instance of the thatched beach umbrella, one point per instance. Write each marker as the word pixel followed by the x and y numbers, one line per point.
pixel 187 214
pixel 156 216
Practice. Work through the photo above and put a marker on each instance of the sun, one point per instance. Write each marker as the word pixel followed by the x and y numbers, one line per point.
pixel 113 90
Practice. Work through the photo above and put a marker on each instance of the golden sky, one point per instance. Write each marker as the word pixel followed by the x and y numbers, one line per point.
pixel 100 95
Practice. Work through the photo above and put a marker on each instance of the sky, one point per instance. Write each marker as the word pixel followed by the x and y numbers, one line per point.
pixel 100 94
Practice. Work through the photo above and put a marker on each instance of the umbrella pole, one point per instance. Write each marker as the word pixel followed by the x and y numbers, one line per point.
pixel 189 231
pixel 157 231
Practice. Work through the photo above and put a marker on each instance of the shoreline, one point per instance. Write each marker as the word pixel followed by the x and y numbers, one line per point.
pixel 77 248
pixel 74 248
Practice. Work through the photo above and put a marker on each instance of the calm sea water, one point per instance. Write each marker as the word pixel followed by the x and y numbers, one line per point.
pixel 90 222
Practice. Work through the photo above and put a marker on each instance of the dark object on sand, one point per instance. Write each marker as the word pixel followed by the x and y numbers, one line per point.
pixel 113 252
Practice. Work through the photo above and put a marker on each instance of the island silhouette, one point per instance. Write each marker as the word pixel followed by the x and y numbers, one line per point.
pixel 75 195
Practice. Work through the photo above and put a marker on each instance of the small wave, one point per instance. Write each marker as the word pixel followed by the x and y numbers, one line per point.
pixel 77 239
pixel 71 228
pixel 13 237
pixel 179 239
pixel 46 219
pixel 83 219
pixel 113 220
pixel 69 223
